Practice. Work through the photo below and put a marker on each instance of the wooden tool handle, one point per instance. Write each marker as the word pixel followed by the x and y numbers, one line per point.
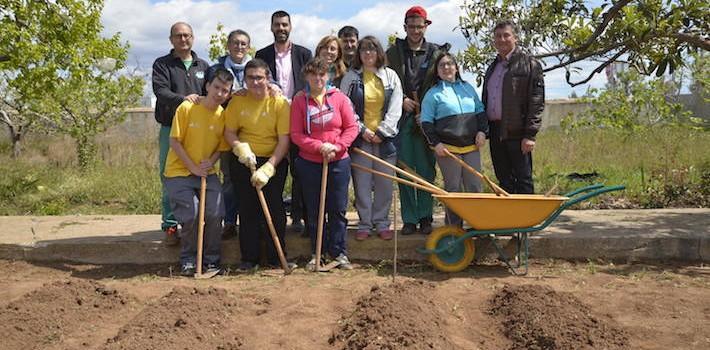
pixel 201 223
pixel 321 211
pixel 498 191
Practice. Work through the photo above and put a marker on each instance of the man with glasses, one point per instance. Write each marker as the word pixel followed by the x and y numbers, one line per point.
pixel 178 76
pixel 514 97
pixel 413 59
pixel 285 60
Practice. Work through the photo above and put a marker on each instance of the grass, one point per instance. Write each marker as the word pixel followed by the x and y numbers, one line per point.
pixel 667 167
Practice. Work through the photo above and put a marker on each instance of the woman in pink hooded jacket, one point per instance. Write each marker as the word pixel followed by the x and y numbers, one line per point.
pixel 323 126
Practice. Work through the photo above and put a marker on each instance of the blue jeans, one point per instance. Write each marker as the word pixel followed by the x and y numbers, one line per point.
pixel 336 202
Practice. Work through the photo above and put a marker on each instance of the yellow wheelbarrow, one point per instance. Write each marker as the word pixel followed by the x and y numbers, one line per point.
pixel 451 248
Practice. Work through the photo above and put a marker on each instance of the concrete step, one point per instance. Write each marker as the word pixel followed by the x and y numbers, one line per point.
pixel 620 235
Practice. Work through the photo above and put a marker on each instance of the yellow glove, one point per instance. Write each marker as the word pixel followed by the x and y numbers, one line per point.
pixel 245 155
pixel 262 175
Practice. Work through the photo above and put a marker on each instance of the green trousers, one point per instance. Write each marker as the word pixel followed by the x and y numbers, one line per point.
pixel 415 153
pixel 168 219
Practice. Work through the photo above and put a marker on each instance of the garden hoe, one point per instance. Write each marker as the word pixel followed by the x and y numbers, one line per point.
pixel 272 229
pixel 321 219
pixel 201 233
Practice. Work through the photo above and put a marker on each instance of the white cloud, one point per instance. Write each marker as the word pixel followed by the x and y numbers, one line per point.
pixel 145 26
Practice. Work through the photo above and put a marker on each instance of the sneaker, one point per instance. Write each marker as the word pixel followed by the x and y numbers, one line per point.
pixel 229 231
pixel 297 225
pixel 209 268
pixel 344 262
pixel 386 234
pixel 362 235
pixel 409 229
pixel 188 269
pixel 247 266
pixel 425 226
pixel 311 266
pixel 171 236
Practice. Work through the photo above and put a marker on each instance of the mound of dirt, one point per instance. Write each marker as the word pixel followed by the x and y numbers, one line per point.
pixel 185 318
pixel 537 317
pixel 56 311
pixel 398 316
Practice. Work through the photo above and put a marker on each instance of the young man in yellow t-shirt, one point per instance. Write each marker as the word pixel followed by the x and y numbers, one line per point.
pixel 257 129
pixel 196 142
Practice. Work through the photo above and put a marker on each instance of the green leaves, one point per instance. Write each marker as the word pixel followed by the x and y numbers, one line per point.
pixel 651 35
pixel 54 74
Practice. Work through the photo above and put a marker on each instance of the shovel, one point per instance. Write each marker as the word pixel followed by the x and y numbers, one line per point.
pixel 321 220
pixel 201 233
pixel 497 189
pixel 272 229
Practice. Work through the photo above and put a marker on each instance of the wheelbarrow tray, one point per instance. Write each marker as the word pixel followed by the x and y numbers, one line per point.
pixel 487 211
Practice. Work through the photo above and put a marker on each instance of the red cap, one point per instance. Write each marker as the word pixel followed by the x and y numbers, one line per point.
pixel 417 11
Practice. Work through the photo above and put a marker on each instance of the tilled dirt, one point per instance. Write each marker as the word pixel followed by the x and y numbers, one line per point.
pixel 557 306
pixel 61 311
pixel 537 317
pixel 185 318
pixel 396 316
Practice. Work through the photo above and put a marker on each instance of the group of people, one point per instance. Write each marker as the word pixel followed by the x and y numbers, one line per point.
pixel 287 111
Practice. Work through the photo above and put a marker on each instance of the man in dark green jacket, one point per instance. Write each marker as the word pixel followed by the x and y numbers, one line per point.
pixel 413 60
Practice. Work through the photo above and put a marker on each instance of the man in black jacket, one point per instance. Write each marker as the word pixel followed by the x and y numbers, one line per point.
pixel 514 96
pixel 285 60
pixel 177 76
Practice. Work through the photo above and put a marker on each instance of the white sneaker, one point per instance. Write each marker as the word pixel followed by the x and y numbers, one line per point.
pixel 344 262
pixel 311 266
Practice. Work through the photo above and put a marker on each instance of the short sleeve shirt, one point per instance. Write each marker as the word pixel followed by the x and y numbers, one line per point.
pixel 258 122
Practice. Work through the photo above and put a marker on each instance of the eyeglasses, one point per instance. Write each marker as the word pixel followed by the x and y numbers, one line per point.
pixel 444 64
pixel 256 78
pixel 182 35
pixel 415 27
pixel 239 43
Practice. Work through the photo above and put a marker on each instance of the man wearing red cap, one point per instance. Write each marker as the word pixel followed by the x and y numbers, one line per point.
pixel 413 60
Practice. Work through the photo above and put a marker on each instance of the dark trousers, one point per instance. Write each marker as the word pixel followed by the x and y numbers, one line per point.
pixel 229 193
pixel 513 168
pixel 252 224
pixel 297 200
pixel 336 202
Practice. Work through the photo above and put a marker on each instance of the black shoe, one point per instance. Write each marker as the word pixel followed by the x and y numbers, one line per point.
pixel 172 237
pixel 247 266
pixel 425 226
pixel 229 231
pixel 408 229
pixel 187 269
pixel 297 226
pixel 209 268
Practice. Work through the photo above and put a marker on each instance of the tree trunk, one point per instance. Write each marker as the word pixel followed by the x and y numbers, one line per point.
pixel 16 144
pixel 86 151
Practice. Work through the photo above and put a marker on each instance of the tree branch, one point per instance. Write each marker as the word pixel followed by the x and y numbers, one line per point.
pixel 694 40
pixel 606 19
pixel 597 70
pixel 587 55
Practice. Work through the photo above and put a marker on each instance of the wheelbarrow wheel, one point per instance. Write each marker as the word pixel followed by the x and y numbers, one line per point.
pixel 455 257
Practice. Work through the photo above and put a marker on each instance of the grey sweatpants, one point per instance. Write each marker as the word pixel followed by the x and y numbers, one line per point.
pixel 458 179
pixel 373 193
pixel 184 193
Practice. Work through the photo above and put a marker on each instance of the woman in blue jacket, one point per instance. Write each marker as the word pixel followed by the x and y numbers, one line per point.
pixel 453 119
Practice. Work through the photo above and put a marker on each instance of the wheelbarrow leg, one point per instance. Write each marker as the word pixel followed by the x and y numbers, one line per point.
pixel 521 252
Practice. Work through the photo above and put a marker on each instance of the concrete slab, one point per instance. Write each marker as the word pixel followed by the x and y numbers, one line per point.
pixel 626 235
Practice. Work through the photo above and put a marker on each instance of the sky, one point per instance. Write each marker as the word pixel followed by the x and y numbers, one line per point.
pixel 145 25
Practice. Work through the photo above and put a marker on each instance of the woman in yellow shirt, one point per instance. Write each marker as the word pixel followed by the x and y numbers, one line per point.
pixel 257 129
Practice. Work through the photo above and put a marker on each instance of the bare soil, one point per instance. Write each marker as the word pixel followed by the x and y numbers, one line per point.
pixel 558 305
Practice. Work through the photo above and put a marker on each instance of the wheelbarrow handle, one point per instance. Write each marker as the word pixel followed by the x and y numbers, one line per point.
pixel 583 189
pixel 595 192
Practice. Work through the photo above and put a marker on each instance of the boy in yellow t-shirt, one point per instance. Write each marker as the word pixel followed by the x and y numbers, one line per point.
pixel 196 142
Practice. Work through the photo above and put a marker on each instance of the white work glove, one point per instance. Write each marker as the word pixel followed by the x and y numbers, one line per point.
pixel 261 176
pixel 245 155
